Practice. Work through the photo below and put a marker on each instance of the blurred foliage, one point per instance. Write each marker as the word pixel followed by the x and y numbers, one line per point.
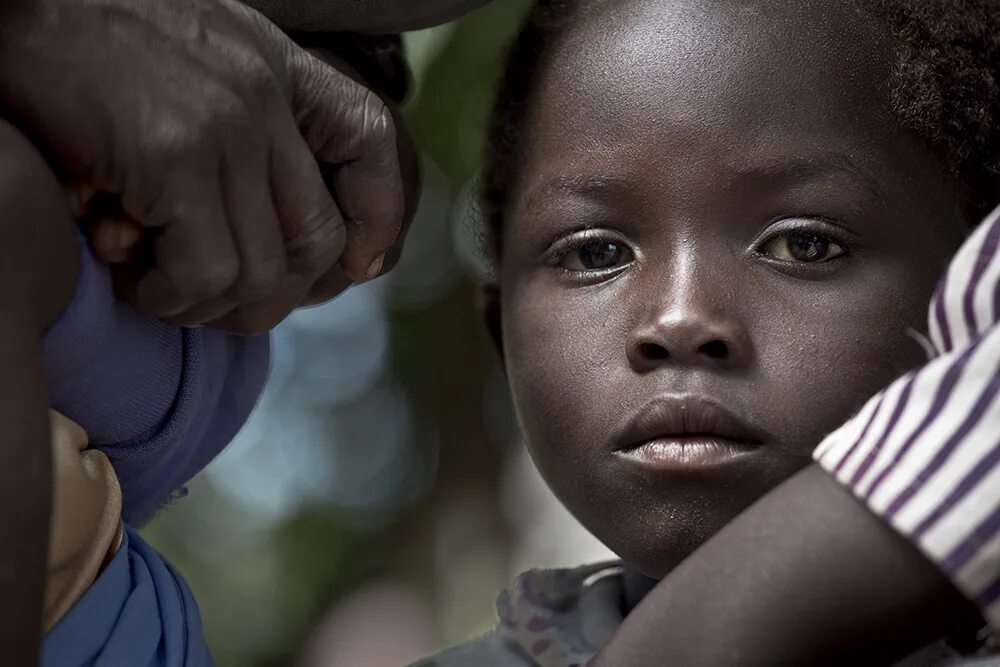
pixel 263 587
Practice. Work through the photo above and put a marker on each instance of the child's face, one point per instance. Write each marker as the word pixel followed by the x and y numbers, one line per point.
pixel 715 205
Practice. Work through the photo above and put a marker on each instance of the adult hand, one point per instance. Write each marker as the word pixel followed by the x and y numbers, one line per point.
pixel 205 123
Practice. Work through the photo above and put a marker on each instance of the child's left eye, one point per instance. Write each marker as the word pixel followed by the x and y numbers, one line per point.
pixel 596 256
pixel 803 247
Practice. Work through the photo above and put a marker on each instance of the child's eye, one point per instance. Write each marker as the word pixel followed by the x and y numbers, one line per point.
pixel 596 256
pixel 803 247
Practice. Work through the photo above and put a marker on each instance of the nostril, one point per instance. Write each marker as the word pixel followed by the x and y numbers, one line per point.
pixel 715 349
pixel 654 351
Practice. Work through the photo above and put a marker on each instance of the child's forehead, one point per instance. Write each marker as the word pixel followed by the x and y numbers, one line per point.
pixel 753 77
pixel 690 106
pixel 717 46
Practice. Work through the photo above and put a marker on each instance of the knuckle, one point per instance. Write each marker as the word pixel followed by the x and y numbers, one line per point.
pixel 319 243
pixel 211 279
pixel 222 112
pixel 374 127
pixel 258 77
pixel 174 139
pixel 378 125
pixel 260 278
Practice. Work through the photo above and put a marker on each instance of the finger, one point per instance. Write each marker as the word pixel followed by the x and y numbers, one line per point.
pixel 194 257
pixel 258 235
pixel 330 286
pixel 248 318
pixel 115 240
pixel 336 282
pixel 313 229
pixel 315 235
pixel 350 128
pixel 265 314
pixel 252 213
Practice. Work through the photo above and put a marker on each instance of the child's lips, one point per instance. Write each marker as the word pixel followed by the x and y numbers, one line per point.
pixel 686 433
pixel 687 453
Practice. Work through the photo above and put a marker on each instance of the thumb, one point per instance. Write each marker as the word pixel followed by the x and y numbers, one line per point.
pixel 352 132
pixel 115 240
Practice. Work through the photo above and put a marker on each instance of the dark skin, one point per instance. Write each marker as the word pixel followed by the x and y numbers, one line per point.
pixel 210 142
pixel 35 230
pixel 119 242
pixel 39 269
pixel 719 202
pixel 633 359
pixel 827 584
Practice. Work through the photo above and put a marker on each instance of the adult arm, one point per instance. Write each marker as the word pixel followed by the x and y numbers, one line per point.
pixel 891 541
pixel 25 481
pixel 35 233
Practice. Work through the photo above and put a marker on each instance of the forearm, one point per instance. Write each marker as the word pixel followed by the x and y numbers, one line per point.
pixel 25 492
pixel 37 272
pixel 807 575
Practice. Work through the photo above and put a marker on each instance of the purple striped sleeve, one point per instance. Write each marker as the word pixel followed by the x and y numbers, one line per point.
pixel 965 303
pixel 932 468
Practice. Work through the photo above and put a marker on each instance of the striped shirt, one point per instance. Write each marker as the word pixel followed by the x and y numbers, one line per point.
pixel 924 454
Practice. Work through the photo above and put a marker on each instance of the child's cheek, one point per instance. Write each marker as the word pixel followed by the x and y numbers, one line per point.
pixel 827 353
pixel 554 354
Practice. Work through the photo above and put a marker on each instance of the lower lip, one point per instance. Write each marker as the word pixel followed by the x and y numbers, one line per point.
pixel 687 454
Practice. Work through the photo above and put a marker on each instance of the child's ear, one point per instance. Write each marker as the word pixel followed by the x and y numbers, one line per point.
pixel 489 307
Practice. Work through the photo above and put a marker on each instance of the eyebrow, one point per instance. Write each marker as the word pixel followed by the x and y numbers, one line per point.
pixel 814 167
pixel 594 187
pixel 810 168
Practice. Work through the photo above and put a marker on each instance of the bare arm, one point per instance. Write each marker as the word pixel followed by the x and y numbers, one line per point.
pixel 37 272
pixel 807 575
pixel 25 483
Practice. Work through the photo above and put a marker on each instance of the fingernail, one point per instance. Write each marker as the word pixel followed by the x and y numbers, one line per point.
pixel 376 267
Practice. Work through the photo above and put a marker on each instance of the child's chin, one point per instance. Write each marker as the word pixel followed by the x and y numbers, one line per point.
pixel 655 541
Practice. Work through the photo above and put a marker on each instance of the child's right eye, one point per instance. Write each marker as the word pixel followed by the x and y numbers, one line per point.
pixel 595 256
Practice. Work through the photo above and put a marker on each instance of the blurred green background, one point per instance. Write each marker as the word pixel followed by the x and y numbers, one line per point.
pixel 379 497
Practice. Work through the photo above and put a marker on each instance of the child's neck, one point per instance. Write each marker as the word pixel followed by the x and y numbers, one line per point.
pixel 636 585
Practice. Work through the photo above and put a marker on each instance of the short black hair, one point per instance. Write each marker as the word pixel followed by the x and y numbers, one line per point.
pixel 945 87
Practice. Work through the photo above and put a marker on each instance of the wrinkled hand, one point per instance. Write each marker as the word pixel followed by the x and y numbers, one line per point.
pixel 204 124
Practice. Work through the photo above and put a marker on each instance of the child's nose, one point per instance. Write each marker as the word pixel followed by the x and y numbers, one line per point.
pixel 689 334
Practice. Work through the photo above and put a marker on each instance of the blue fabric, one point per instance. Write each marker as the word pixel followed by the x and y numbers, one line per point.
pixel 160 401
pixel 138 613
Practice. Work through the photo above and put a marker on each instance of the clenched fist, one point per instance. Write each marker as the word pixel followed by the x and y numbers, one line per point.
pixel 205 124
